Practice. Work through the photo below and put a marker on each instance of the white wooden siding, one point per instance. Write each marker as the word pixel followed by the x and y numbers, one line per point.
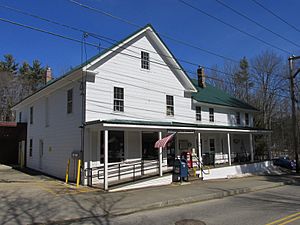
pixel 60 138
pixel 145 91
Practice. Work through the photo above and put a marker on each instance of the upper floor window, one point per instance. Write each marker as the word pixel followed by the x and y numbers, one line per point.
pixel 211 115
pixel 198 113
pixel 118 99
pixel 70 101
pixel 47 112
pixel 31 115
pixel 238 118
pixel 247 119
pixel 20 117
pixel 170 105
pixel 145 60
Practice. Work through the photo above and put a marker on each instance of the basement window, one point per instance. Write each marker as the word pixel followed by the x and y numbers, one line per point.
pixel 145 60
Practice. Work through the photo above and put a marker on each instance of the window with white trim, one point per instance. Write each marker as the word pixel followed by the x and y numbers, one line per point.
pixel 211 115
pixel 145 60
pixel 118 99
pixel 198 113
pixel 170 105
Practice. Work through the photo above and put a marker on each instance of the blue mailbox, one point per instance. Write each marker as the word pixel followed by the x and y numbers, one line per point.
pixel 180 171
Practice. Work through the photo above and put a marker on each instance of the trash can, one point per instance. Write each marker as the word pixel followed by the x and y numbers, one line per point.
pixel 180 170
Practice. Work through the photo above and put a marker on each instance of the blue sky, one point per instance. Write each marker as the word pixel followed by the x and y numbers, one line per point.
pixel 167 16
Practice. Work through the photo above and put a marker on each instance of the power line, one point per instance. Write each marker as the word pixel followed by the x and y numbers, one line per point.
pixel 234 27
pixel 87 43
pixel 182 42
pixel 101 37
pixel 275 15
pixel 255 22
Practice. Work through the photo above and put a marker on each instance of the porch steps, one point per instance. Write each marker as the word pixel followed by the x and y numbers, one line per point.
pixel 151 181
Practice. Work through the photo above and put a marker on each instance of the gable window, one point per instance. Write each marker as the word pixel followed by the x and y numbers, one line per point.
pixel 145 62
pixel 198 113
pixel 118 99
pixel 20 117
pixel 70 101
pixel 238 118
pixel 247 119
pixel 31 115
pixel 211 115
pixel 170 105
pixel 30 147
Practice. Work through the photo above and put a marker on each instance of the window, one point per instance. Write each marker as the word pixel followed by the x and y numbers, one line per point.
pixel 148 142
pixel 238 118
pixel 118 99
pixel 70 101
pixel 31 115
pixel 211 115
pixel 145 63
pixel 30 147
pixel 212 145
pixel 247 119
pixel 47 112
pixel 20 117
pixel 198 113
pixel 170 105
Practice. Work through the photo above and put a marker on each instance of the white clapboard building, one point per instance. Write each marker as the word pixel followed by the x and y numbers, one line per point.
pixel 110 111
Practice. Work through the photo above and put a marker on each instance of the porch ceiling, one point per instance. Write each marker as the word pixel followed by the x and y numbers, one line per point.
pixel 138 124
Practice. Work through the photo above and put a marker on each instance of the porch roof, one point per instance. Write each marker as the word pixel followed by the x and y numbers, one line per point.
pixel 175 126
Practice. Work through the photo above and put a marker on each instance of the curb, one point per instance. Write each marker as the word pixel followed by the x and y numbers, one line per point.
pixel 199 198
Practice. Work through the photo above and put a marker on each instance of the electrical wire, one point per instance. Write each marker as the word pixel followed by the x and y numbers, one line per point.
pixel 71 39
pixel 182 42
pixel 275 15
pixel 255 22
pixel 233 27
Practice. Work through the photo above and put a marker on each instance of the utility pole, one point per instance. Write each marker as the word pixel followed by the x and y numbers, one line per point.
pixel 294 113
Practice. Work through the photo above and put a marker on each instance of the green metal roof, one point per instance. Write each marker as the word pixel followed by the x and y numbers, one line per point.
pixel 213 95
pixel 171 123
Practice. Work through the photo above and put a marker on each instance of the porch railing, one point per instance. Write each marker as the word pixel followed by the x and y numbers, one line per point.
pixel 122 170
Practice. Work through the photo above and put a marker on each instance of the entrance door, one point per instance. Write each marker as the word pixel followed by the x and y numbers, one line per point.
pixel 148 142
pixel 41 153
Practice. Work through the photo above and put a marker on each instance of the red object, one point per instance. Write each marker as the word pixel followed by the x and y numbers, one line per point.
pixel 162 143
pixel 188 156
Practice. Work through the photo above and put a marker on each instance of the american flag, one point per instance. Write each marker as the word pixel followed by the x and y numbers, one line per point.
pixel 163 142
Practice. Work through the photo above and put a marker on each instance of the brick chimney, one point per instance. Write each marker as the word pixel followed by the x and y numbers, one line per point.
pixel 201 77
pixel 48 76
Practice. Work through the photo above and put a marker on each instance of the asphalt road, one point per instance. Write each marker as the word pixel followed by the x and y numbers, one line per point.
pixel 261 207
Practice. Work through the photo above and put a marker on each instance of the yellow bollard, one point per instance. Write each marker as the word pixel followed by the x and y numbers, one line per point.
pixel 78 173
pixel 67 171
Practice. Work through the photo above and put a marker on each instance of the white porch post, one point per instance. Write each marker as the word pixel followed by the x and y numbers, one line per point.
pixel 229 150
pixel 251 147
pixel 106 160
pixel 160 156
pixel 199 147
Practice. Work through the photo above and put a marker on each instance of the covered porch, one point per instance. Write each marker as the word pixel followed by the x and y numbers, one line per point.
pixel 123 151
